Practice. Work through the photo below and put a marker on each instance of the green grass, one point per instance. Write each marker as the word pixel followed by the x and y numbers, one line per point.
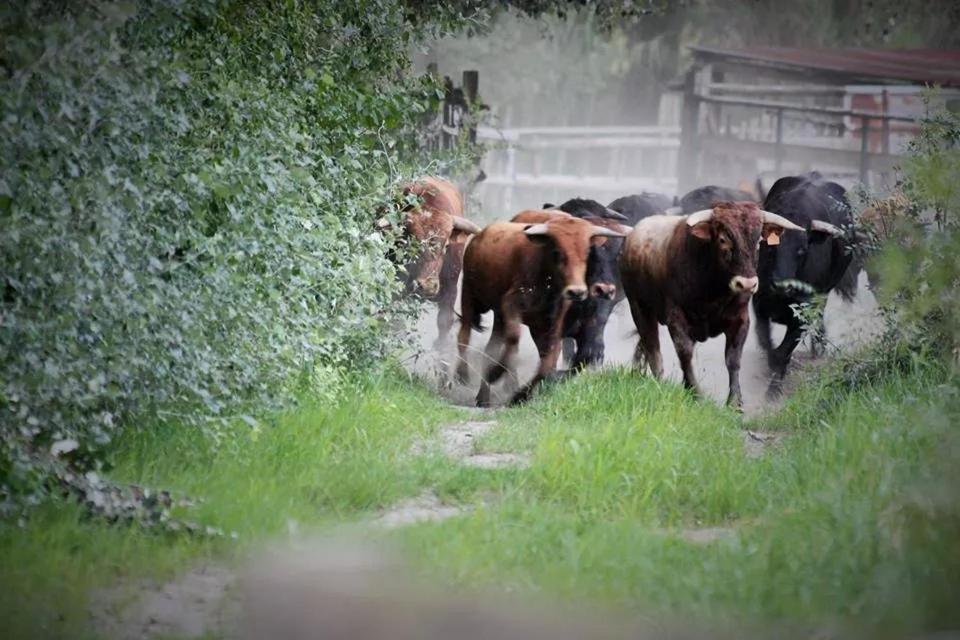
pixel 836 524
pixel 312 466
pixel 855 518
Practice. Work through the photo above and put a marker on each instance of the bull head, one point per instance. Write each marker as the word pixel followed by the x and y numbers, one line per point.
pixel 773 224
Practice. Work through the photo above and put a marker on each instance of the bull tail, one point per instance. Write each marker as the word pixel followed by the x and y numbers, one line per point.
pixel 847 287
pixel 475 322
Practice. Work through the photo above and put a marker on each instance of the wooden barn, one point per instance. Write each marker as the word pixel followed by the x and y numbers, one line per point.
pixel 770 111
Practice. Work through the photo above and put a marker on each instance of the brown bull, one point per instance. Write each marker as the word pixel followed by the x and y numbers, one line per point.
pixel 526 274
pixel 438 227
pixel 696 274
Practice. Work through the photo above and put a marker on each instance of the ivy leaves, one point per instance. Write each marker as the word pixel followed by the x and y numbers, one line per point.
pixel 187 201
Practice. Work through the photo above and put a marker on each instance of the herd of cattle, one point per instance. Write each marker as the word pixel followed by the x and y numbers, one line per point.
pixel 692 264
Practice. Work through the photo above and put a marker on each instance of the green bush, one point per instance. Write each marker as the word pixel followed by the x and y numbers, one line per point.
pixel 187 196
pixel 920 268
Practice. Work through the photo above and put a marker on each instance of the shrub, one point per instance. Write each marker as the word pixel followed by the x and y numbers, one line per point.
pixel 187 196
pixel 920 268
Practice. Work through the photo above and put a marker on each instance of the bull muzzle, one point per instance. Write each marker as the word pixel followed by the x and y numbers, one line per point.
pixel 742 284
pixel 577 293
pixel 603 290
pixel 425 286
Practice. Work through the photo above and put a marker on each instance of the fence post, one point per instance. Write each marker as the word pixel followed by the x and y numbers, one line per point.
pixel 778 149
pixel 471 87
pixel 687 158
pixel 512 173
pixel 885 133
pixel 864 147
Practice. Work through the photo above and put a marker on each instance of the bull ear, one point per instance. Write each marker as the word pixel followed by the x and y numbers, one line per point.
pixel 536 229
pixel 825 227
pixel 547 205
pixel 770 218
pixel 609 233
pixel 462 224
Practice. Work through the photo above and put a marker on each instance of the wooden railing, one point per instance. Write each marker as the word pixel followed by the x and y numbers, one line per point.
pixel 527 165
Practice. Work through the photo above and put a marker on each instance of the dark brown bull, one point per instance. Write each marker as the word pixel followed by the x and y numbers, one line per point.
pixel 439 229
pixel 527 274
pixel 695 274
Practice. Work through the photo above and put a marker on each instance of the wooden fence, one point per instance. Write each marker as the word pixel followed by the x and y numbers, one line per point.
pixel 727 138
pixel 527 166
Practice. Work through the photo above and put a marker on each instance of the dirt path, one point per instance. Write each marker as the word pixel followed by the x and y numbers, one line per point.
pixel 213 599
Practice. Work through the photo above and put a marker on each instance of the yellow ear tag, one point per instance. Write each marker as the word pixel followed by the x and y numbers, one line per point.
pixel 773 239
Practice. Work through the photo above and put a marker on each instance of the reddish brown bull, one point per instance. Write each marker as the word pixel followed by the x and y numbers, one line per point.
pixel 696 274
pixel 526 274
pixel 437 225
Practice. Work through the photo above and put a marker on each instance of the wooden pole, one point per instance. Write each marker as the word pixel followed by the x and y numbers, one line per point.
pixel 688 156
pixel 471 88
pixel 864 148
pixel 778 149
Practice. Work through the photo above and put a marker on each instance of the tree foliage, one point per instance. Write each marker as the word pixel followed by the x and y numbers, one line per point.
pixel 187 191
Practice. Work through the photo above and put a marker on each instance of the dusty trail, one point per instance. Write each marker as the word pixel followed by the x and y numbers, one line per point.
pixel 847 324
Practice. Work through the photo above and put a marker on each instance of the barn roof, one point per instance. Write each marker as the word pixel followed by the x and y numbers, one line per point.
pixel 849 66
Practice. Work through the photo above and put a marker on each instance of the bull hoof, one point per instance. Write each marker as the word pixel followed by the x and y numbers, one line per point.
pixel 774 392
pixel 735 403
pixel 521 396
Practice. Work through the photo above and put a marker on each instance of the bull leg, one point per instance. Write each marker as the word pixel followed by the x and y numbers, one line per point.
pixel 779 358
pixel 447 296
pixel 491 367
pixel 648 347
pixel 463 338
pixel 736 335
pixel 445 316
pixel 818 338
pixel 569 350
pixel 507 330
pixel 762 330
pixel 590 346
pixel 548 345
pixel 683 343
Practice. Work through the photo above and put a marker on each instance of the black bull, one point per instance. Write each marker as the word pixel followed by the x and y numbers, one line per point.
pixel 802 264
pixel 586 321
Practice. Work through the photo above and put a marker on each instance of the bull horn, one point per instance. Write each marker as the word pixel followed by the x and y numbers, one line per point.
pixel 462 224
pixel 695 218
pixel 673 211
pixel 612 214
pixel 610 233
pixel 536 229
pixel 825 227
pixel 772 218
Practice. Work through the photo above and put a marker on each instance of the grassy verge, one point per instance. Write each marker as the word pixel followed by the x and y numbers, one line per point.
pixel 853 518
pixel 312 466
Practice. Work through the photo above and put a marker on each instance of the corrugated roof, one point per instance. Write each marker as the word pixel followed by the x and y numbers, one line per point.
pixel 918 66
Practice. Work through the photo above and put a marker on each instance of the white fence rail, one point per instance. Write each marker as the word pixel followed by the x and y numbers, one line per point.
pixel 527 166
